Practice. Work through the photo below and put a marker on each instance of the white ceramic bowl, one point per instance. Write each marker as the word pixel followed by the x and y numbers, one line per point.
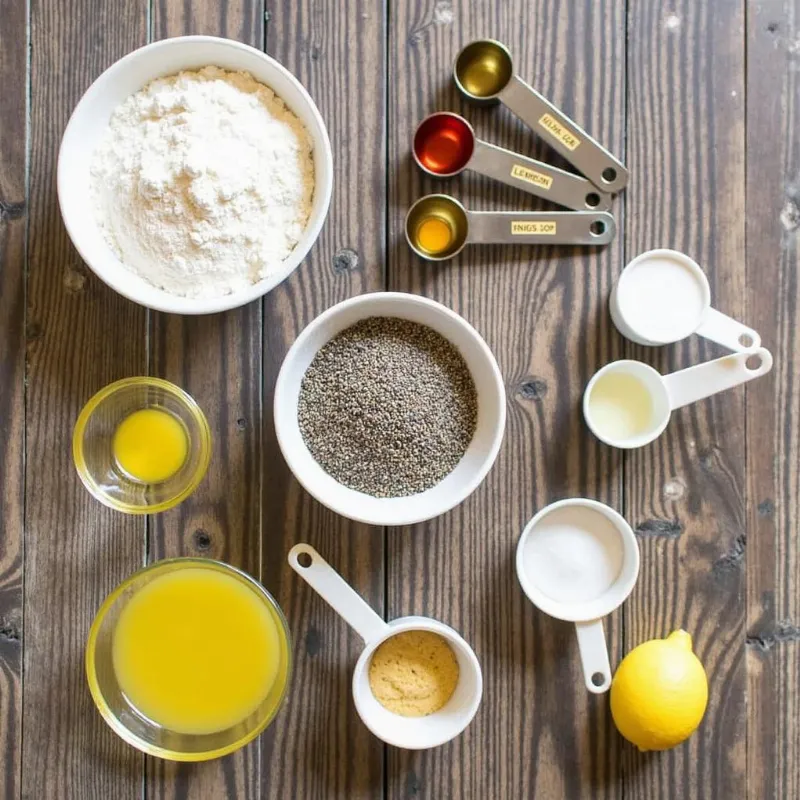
pixel 89 121
pixel 474 465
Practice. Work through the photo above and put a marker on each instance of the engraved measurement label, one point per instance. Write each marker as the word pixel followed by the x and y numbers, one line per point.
pixel 531 176
pixel 544 228
pixel 554 127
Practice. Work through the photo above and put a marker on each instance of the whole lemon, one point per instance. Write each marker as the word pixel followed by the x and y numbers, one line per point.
pixel 659 693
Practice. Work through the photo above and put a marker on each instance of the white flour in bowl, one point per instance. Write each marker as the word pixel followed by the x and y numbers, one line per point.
pixel 202 183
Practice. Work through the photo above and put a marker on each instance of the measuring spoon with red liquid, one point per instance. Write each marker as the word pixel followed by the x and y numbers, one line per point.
pixel 445 145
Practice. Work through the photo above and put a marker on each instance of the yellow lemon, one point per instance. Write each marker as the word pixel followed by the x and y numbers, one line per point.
pixel 659 693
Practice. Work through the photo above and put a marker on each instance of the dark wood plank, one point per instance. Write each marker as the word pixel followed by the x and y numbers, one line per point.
pixel 773 404
pixel 686 156
pixel 81 336
pixel 13 221
pixel 217 359
pixel 542 311
pixel 318 748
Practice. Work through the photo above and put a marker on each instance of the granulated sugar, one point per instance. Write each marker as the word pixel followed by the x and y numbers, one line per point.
pixel 388 407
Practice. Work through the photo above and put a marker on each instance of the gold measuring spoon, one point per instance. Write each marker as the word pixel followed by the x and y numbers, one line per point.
pixel 484 73
pixel 438 227
pixel 445 145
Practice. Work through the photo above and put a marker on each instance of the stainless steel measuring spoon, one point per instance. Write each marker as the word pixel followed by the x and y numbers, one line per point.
pixel 438 227
pixel 484 73
pixel 445 145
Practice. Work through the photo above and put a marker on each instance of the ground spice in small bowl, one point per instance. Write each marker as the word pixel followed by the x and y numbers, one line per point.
pixel 413 673
pixel 388 407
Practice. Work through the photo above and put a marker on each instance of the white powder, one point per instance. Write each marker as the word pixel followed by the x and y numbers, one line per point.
pixel 203 182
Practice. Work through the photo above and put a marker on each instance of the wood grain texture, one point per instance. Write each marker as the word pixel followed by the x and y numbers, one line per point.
pixel 81 337
pixel 13 221
pixel 773 404
pixel 685 494
pixel 542 311
pixel 217 359
pixel 318 747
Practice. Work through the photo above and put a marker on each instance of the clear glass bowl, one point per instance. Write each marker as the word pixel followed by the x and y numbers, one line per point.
pixel 92 445
pixel 143 733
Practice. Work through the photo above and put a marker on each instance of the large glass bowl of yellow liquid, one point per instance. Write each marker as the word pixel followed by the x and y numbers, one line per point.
pixel 189 659
pixel 141 445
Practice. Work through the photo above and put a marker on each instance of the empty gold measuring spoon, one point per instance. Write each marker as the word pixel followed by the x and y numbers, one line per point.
pixel 484 73
pixel 438 227
pixel 445 145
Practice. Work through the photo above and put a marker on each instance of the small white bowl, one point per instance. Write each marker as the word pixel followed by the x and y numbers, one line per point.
pixel 90 119
pixel 475 463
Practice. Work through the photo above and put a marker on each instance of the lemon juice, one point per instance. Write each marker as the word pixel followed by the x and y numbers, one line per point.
pixel 621 406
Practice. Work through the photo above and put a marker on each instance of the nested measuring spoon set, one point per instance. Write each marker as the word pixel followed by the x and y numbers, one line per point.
pixel 438 226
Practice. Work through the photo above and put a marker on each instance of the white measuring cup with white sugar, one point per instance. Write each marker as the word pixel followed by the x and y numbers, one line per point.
pixel 663 296
pixel 627 404
pixel 411 733
pixel 578 560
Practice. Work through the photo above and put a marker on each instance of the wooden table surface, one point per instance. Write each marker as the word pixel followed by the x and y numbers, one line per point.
pixel 701 99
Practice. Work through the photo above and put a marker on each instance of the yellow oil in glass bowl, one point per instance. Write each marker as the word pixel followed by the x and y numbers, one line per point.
pixel 189 659
pixel 141 445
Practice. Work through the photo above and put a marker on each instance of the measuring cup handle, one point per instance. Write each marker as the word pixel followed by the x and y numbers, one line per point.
pixel 696 383
pixel 537 178
pixel 594 655
pixel 336 592
pixel 724 330
pixel 564 135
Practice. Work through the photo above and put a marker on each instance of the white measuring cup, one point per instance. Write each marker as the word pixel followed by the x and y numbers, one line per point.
pixel 663 296
pixel 411 733
pixel 578 560
pixel 628 404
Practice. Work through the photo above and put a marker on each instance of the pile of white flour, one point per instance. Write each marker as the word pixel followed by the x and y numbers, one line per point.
pixel 203 182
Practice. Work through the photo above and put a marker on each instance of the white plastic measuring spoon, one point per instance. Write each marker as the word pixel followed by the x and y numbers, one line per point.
pixel 412 733
pixel 663 296
pixel 578 560
pixel 628 404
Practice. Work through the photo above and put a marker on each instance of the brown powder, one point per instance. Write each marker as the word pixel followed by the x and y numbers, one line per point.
pixel 414 673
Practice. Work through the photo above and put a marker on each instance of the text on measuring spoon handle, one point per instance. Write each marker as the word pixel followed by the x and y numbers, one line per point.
pixel 541 227
pixel 564 135
pixel 704 380
pixel 336 592
pixel 537 178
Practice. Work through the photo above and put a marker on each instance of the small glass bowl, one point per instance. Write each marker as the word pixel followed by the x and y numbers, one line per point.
pixel 92 445
pixel 143 733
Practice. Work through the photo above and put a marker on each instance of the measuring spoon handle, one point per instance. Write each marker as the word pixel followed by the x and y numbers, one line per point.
pixel 701 381
pixel 336 592
pixel 564 135
pixel 536 177
pixel 725 330
pixel 594 655
pixel 540 227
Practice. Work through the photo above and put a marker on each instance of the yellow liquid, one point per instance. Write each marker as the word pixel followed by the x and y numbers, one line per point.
pixel 150 445
pixel 621 406
pixel 196 651
pixel 434 235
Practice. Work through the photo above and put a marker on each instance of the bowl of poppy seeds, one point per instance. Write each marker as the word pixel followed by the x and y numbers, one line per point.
pixel 389 408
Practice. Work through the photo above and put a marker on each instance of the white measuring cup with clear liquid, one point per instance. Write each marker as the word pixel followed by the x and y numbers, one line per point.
pixel 578 560
pixel 410 733
pixel 663 296
pixel 628 404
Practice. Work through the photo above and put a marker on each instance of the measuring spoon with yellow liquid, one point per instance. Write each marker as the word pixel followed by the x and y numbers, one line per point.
pixel 484 73
pixel 445 145
pixel 438 227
